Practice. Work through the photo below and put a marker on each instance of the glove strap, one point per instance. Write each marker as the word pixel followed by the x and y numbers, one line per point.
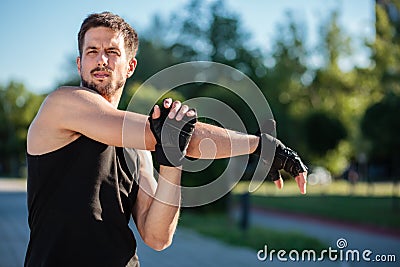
pixel 169 156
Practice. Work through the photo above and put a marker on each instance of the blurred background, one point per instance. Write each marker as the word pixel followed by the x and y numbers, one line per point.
pixel 330 71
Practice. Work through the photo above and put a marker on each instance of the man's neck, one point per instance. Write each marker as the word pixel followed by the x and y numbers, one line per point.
pixel 112 98
pixel 115 98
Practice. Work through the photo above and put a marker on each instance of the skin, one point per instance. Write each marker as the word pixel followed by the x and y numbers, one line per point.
pixel 95 115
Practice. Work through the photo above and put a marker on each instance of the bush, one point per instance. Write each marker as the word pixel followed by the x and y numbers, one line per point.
pixel 323 132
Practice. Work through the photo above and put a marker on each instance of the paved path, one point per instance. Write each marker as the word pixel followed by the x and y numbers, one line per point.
pixel 381 243
pixel 13 228
pixel 188 249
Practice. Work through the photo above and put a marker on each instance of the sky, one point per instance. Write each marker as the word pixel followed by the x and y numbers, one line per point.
pixel 38 38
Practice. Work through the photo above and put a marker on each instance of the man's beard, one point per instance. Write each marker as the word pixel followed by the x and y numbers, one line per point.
pixel 106 90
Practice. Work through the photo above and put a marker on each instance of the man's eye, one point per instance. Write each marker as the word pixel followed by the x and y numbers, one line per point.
pixel 112 52
pixel 92 52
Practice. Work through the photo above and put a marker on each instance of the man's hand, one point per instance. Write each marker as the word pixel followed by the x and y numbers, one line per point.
pixel 172 125
pixel 284 159
pixel 288 160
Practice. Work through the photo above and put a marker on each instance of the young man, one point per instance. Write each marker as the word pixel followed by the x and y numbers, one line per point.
pixel 81 192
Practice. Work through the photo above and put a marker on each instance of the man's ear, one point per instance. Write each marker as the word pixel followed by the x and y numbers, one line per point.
pixel 131 67
pixel 78 64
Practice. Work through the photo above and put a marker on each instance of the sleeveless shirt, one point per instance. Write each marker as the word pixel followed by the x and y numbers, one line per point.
pixel 80 199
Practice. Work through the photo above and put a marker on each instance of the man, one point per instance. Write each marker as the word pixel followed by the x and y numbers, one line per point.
pixel 81 192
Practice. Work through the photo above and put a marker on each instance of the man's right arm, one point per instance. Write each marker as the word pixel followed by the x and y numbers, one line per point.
pixel 71 111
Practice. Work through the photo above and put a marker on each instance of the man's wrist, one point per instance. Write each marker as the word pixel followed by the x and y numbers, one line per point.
pixel 265 144
pixel 255 145
pixel 169 156
pixel 171 175
pixel 171 167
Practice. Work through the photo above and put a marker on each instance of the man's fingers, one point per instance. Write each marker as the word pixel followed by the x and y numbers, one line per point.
pixel 301 180
pixel 174 110
pixel 167 102
pixel 156 112
pixel 184 109
pixel 279 183
pixel 191 113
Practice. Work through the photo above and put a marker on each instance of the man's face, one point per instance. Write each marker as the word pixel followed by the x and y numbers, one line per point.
pixel 104 65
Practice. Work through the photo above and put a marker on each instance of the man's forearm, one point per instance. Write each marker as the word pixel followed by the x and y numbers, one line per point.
pixel 162 217
pixel 210 141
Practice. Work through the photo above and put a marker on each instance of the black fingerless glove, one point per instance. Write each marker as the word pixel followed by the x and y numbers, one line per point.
pixel 284 159
pixel 172 137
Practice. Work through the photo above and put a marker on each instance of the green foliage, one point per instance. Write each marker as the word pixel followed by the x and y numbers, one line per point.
pixel 381 126
pixel 307 97
pixel 323 132
pixel 352 209
pixel 139 98
pixel 215 34
pixel 17 109
pixel 151 57
pixel 283 83
pixel 385 55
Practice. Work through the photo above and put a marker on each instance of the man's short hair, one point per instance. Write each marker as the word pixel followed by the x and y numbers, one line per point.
pixel 114 22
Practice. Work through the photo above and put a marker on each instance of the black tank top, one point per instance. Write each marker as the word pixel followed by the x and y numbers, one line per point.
pixel 80 199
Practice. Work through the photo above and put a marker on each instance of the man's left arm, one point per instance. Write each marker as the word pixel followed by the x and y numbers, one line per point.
pixel 156 210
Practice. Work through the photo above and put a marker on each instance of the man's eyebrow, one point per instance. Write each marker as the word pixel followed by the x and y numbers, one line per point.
pixel 91 47
pixel 113 48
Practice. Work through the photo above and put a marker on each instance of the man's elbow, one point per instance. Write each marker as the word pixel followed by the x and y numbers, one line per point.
pixel 157 243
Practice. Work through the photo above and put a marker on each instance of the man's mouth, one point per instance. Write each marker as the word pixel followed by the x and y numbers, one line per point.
pixel 101 75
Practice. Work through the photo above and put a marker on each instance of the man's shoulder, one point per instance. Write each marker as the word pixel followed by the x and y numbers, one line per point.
pixel 70 97
pixel 61 103
pixel 46 132
pixel 71 91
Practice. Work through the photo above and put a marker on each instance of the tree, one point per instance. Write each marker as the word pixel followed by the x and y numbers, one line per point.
pixel 17 109
pixel 282 85
pixel 323 132
pixel 215 34
pixel 152 57
pixel 297 89
pixel 380 126
pixel 228 43
pixel 385 55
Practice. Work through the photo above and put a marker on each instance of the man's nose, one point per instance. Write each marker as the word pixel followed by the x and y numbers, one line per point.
pixel 102 59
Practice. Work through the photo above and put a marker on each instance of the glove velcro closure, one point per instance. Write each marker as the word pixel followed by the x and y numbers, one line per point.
pixel 169 156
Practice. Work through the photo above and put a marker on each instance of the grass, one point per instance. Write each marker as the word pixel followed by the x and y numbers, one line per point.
pixel 365 204
pixel 337 188
pixel 223 228
pixel 372 211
